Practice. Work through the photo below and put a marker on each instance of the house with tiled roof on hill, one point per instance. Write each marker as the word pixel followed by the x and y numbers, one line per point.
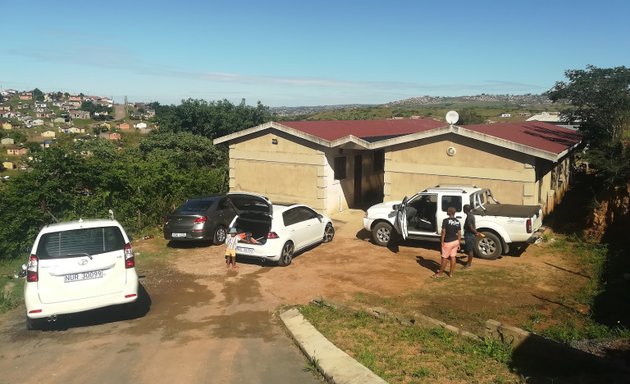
pixel 336 165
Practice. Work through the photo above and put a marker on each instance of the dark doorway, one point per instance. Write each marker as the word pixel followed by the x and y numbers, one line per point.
pixel 358 177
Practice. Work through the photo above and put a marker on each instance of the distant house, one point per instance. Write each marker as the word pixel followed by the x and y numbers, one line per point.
pixel 124 126
pixel 78 114
pixel 75 130
pixel 75 99
pixel 7 141
pixel 8 114
pixel 37 122
pixel 506 115
pixel 40 104
pixel 8 165
pixel 26 96
pixel 17 151
pixel 7 126
pixel 140 125
pixel 49 134
pixel 554 118
pixel 110 136
pixel 5 108
pixel 46 144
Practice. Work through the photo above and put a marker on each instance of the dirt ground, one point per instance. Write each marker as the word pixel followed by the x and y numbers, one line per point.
pixel 203 323
pixel 351 265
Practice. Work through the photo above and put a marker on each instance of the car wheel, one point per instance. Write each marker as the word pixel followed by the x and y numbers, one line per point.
pixel 488 247
pixel 220 233
pixel 287 254
pixel 329 233
pixel 382 233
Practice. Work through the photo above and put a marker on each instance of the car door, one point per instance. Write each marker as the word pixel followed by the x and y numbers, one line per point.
pixel 313 225
pixel 421 215
pixel 299 226
pixel 400 222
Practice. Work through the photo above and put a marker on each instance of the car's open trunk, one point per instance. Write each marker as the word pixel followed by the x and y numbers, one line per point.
pixel 256 224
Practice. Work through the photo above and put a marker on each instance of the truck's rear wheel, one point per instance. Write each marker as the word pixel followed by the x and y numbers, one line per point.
pixel 382 233
pixel 488 247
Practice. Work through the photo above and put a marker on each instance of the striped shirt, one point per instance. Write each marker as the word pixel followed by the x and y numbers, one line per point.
pixel 231 241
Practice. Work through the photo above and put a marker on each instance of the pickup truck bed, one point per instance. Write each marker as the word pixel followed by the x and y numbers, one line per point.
pixel 507 210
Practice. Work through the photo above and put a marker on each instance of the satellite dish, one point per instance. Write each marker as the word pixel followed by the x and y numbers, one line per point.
pixel 452 117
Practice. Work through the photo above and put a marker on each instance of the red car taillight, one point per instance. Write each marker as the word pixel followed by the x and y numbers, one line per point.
pixel 32 270
pixel 272 235
pixel 130 260
pixel 201 220
pixel 528 225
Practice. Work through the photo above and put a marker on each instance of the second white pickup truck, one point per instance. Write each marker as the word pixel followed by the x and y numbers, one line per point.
pixel 420 217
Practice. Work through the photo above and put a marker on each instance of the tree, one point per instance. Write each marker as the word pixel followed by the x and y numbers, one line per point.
pixel 209 119
pixel 600 98
pixel 469 116
pixel 37 94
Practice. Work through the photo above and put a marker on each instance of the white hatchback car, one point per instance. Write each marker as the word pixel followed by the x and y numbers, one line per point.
pixel 279 231
pixel 78 266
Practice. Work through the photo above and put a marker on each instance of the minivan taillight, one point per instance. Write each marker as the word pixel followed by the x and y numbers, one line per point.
pixel 272 235
pixel 130 260
pixel 201 220
pixel 528 225
pixel 32 270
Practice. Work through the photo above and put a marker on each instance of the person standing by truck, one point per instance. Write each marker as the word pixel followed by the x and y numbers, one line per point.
pixel 449 240
pixel 470 232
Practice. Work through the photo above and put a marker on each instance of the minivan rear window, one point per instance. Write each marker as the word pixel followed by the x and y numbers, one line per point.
pixel 80 242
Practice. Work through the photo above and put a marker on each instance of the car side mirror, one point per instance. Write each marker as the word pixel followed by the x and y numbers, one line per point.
pixel 320 218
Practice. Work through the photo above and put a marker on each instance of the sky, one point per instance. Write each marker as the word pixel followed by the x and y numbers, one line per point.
pixel 296 53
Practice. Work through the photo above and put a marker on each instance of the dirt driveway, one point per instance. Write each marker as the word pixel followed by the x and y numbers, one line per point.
pixel 209 325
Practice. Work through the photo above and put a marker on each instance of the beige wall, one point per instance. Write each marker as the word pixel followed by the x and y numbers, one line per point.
pixel 291 171
pixel 553 182
pixel 418 165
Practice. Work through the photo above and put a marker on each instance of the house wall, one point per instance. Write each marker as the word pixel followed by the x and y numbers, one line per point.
pixel 290 171
pixel 553 180
pixel 412 167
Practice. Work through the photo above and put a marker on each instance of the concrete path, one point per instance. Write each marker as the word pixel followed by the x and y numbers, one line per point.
pixel 336 365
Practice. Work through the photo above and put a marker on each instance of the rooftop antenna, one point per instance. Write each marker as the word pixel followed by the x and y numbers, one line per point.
pixel 452 117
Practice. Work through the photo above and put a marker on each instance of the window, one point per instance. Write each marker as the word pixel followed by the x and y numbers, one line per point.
pixel 379 160
pixel 340 168
pixel 451 201
pixel 80 242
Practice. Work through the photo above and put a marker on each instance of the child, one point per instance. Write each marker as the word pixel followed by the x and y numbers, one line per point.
pixel 230 250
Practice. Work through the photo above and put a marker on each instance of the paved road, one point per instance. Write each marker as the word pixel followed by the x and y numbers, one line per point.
pixel 216 328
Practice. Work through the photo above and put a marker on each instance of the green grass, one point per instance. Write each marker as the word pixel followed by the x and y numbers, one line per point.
pixel 11 288
pixel 411 354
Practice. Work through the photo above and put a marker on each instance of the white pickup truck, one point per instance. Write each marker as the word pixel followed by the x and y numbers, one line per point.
pixel 420 218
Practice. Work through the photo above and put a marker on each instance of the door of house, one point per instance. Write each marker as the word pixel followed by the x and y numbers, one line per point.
pixel 358 178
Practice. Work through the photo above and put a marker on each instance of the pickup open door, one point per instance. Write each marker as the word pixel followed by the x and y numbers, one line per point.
pixel 401 218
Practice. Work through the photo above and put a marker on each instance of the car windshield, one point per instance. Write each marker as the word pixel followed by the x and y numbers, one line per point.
pixel 80 242
pixel 195 206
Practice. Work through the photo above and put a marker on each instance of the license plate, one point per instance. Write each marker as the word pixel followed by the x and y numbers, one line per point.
pixel 244 250
pixel 178 234
pixel 82 276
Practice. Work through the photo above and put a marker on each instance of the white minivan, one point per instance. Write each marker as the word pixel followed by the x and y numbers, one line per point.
pixel 78 266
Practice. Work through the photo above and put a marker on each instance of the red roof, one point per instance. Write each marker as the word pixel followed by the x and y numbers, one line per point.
pixel 536 134
pixel 364 129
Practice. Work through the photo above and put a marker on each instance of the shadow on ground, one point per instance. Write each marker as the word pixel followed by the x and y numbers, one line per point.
pixel 102 315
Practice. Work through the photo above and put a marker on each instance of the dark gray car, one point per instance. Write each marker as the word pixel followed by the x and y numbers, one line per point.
pixel 204 218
